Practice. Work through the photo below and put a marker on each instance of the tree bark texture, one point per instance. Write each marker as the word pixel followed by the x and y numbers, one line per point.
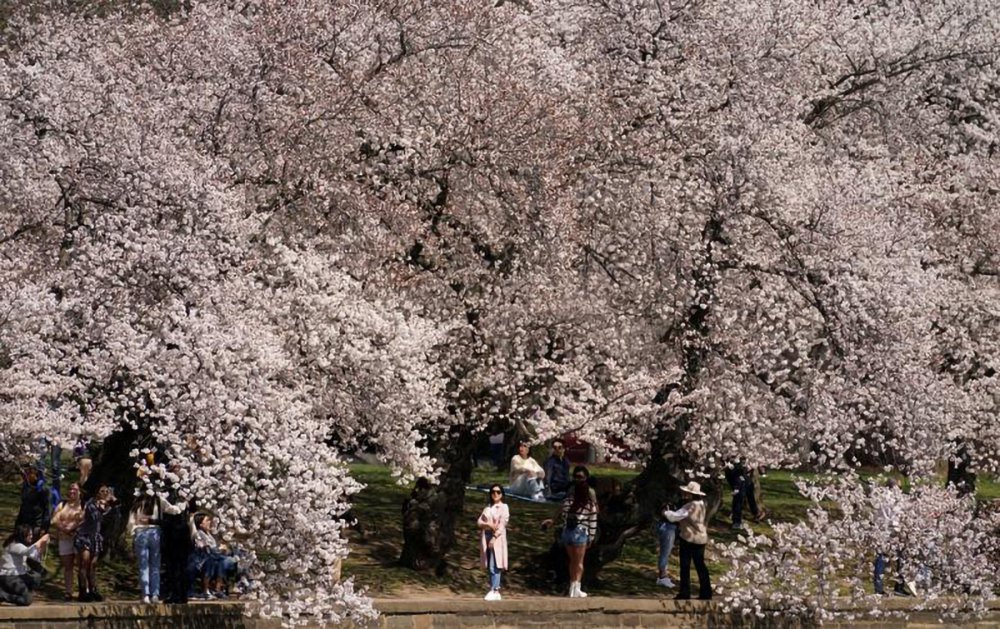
pixel 430 514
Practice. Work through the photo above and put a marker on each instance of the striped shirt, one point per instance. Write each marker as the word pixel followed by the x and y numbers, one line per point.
pixel 586 517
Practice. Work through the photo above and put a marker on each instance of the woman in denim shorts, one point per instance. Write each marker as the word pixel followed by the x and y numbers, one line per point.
pixel 579 513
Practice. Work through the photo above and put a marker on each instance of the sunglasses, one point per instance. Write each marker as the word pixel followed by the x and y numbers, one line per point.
pixel 495 491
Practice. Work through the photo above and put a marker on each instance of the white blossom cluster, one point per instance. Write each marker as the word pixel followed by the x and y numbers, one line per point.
pixel 936 545
pixel 274 233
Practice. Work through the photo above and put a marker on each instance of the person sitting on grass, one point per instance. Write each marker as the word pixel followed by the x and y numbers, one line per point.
pixel 16 580
pixel 526 474
pixel 208 561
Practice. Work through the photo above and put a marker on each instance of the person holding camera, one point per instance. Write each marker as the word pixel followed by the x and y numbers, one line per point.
pixel 89 542
pixel 16 580
pixel 693 528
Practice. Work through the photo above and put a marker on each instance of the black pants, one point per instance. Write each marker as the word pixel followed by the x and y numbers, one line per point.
pixel 15 590
pixel 745 493
pixel 696 552
pixel 176 548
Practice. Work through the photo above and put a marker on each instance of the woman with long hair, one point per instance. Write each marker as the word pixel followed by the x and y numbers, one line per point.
pixel 144 523
pixel 214 566
pixel 493 539
pixel 89 542
pixel 579 526
pixel 16 582
pixel 66 520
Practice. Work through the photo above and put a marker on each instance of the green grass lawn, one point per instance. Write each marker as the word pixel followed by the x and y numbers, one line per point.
pixel 373 557
pixel 117 577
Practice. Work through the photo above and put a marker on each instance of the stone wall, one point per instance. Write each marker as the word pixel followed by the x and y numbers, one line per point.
pixel 453 613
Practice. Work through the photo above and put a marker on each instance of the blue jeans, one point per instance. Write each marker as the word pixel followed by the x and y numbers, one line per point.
pixel 881 561
pixel 147 551
pixel 492 570
pixel 744 492
pixel 220 566
pixel 576 536
pixel 666 532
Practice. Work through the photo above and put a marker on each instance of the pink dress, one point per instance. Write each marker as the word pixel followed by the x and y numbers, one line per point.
pixel 496 515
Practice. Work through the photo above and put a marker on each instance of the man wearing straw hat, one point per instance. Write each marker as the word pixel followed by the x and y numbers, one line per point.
pixel 693 538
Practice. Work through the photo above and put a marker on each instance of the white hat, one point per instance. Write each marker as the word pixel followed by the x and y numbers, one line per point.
pixel 693 488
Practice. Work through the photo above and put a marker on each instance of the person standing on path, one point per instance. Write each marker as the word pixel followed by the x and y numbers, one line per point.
pixel 493 540
pixel 666 534
pixel 66 520
pixel 89 542
pixel 579 512
pixel 694 537
pixel 147 538
pixel 177 547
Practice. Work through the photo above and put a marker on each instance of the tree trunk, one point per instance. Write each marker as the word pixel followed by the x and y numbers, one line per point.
pixel 959 473
pixel 431 512
pixel 113 466
pixel 638 506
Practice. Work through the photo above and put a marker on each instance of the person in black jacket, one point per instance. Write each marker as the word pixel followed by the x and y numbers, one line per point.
pixel 740 480
pixel 36 503
pixel 177 547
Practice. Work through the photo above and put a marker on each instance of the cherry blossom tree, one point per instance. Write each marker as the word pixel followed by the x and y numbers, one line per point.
pixel 266 234
pixel 822 567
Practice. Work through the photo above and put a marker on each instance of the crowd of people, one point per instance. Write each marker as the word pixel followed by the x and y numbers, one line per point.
pixel 685 526
pixel 578 520
pixel 177 555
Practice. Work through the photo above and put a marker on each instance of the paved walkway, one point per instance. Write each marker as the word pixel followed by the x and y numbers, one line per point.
pixel 446 612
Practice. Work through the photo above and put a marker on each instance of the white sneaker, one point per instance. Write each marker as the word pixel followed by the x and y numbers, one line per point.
pixel 155 600
pixel 665 582
pixel 573 587
pixel 580 593
pixel 145 600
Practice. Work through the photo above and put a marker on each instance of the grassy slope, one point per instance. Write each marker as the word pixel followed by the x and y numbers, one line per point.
pixel 373 557
pixel 117 578
pixel 372 560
